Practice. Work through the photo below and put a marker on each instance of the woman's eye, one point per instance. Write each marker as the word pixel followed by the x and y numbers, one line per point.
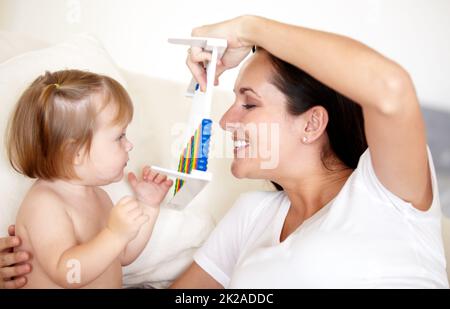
pixel 248 106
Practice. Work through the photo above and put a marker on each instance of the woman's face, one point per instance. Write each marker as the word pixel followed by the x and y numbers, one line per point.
pixel 267 138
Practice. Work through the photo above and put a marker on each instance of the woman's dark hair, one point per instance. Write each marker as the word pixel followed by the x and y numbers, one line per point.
pixel 345 128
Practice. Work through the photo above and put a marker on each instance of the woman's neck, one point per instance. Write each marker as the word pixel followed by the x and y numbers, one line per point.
pixel 309 194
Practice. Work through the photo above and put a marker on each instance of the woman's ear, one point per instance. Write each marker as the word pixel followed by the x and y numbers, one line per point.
pixel 316 123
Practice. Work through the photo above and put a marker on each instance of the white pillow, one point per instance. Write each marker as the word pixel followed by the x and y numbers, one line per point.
pixel 176 235
pixel 12 44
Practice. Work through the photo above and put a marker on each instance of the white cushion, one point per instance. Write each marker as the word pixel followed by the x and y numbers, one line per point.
pixel 12 44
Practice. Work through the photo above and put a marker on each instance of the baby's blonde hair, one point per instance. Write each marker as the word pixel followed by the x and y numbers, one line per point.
pixel 55 118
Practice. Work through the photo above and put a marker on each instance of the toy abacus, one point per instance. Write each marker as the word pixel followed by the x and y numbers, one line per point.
pixel 192 173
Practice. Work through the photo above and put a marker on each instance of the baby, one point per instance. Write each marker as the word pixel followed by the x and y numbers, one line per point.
pixel 69 132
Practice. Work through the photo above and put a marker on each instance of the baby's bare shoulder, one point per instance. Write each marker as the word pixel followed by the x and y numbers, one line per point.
pixel 43 200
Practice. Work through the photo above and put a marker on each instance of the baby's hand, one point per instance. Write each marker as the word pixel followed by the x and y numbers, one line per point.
pixel 152 188
pixel 126 218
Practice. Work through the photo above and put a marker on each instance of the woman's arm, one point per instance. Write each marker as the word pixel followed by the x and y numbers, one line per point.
pixel 195 278
pixel 393 121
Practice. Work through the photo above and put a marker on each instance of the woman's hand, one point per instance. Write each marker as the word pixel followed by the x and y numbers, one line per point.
pixel 151 188
pixel 12 276
pixel 238 47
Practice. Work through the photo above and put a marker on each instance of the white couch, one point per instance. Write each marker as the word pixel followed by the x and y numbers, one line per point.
pixel 159 107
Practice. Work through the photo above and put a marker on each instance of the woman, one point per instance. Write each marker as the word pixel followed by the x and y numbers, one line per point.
pixel 357 204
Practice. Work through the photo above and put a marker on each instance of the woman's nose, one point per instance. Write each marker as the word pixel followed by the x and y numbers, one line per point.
pixel 229 119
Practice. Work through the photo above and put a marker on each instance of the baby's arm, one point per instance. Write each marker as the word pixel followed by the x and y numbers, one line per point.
pixel 137 245
pixel 52 237
pixel 150 191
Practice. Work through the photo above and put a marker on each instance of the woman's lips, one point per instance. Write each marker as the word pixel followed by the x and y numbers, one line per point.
pixel 240 145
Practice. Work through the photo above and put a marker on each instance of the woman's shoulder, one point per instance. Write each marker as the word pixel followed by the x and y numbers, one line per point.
pixel 251 213
pixel 364 176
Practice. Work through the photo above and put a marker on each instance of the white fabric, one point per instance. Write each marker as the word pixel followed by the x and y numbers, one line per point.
pixel 366 237
pixel 13 44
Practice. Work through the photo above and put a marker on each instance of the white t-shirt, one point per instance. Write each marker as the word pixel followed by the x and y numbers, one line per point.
pixel 366 237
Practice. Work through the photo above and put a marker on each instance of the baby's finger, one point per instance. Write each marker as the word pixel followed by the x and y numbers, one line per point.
pixel 152 175
pixel 129 203
pixel 168 183
pixel 160 178
pixel 145 172
pixel 132 179
pixel 141 220
pixel 135 213
pixel 125 200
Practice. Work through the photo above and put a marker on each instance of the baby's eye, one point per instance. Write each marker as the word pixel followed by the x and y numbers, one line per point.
pixel 121 136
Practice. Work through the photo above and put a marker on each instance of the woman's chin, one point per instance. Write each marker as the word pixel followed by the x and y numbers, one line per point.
pixel 243 168
pixel 238 170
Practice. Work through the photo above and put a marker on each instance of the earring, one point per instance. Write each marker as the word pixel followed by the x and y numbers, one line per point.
pixel 305 140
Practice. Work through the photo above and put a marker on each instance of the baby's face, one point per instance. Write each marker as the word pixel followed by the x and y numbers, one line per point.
pixel 109 151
